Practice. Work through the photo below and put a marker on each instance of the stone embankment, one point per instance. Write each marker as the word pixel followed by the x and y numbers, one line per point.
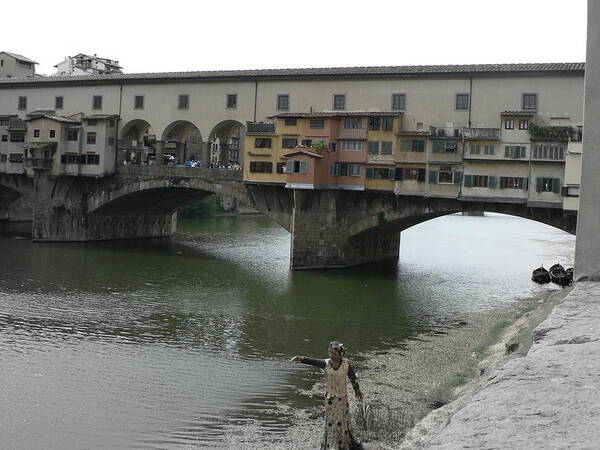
pixel 547 399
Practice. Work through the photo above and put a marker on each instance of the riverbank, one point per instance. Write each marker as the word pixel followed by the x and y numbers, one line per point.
pixel 546 399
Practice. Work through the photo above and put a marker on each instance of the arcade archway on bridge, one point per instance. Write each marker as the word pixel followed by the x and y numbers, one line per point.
pixel 226 143
pixel 137 141
pixel 181 141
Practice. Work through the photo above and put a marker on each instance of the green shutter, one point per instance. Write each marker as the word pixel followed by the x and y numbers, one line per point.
pixel 468 180
pixel 538 184
pixel 420 146
pixel 507 152
pixel 391 174
pixel 556 185
pixel 370 173
pixel 492 182
pixel 433 175
pixel 289 167
pixel 421 174
pixel 457 177
pixel 405 145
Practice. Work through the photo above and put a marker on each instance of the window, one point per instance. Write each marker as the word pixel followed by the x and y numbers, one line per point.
pixel 52 133
pixel 387 123
pixel 373 147
pixel 111 123
pixel 5 138
pixel 72 135
pixel 183 102
pixel 289 122
pixel 280 167
pixel 317 124
pixel 351 146
pixel 91 138
pixel 306 142
pixel 262 142
pixel 289 142
pixel 462 101
pixel 549 151
pixel 90 159
pixel 509 124
pixel 296 167
pixel 97 102
pixel 344 169
pixel 530 102
pixel 398 102
pixel 283 102
pixel 515 151
pixel 354 122
pixel 91 122
pixel 512 183
pixel 444 146
pixel 22 103
pixel 17 137
pixel 374 123
pixel 412 145
pixel 386 148
pixel 339 101
pixel 410 174
pixel 261 167
pixel 523 124
pixel 547 185
pixel 445 177
pixel 231 101
pixel 69 158
pixel 480 180
pixel 138 102
pixel 15 157
pixel 36 133
pixel 3 158
pixel 58 102
pixel 489 149
pixel 111 141
pixel 475 149
pixel 379 173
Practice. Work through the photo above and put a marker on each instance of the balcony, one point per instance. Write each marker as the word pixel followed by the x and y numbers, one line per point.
pixel 444 132
pixel 550 133
pixel 37 163
pixel 480 134
pixel 359 134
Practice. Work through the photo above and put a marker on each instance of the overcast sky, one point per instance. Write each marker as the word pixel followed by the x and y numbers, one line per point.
pixel 179 35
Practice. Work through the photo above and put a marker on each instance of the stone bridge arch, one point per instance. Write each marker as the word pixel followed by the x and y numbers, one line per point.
pixel 16 197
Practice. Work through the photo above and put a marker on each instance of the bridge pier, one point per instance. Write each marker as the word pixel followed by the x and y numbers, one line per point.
pixel 320 230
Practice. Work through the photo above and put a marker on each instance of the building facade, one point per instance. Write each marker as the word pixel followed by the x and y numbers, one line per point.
pixel 13 65
pixel 82 64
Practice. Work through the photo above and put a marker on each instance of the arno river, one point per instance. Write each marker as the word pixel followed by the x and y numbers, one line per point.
pixel 183 342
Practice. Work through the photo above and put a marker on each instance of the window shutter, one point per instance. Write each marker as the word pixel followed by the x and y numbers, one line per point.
pixel 420 146
pixel 391 173
pixel 421 175
pixel 556 185
pixel 303 166
pixel 523 150
pixel 289 167
pixel 457 177
pixel 433 176
pixel 561 152
pixel 525 183
pixel 507 151
pixel 492 182
pixel 399 174
pixel 468 180
pixel 538 184
pixel 374 147
pixel 332 170
pixel 370 173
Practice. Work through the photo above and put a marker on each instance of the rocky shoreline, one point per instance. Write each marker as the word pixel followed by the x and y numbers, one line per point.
pixel 546 399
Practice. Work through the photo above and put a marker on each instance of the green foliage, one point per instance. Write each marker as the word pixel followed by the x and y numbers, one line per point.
pixel 318 145
pixel 207 206
pixel 551 133
pixel 43 145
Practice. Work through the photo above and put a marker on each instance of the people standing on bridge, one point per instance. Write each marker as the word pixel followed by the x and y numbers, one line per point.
pixel 338 426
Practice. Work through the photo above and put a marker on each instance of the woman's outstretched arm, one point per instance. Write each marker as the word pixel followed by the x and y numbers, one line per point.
pixel 311 361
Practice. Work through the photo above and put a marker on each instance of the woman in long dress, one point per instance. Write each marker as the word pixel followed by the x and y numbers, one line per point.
pixel 338 426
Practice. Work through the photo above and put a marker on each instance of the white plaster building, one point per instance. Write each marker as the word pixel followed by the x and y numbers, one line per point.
pixel 82 64
pixel 13 65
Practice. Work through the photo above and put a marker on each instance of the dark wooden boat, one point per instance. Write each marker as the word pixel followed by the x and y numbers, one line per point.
pixel 541 275
pixel 558 275
pixel 569 272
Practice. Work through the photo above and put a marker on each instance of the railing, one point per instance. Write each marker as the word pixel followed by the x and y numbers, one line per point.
pixel 37 163
pixel 180 171
pixel 550 133
pixel 491 134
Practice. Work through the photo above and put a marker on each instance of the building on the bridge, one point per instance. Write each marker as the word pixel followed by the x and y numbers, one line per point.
pixel 82 64
pixel 12 142
pixel 13 65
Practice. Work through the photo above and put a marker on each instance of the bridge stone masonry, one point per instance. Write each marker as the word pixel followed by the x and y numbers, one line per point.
pixel 329 228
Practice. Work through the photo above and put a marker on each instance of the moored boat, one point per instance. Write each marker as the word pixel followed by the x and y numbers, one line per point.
pixel 541 275
pixel 558 275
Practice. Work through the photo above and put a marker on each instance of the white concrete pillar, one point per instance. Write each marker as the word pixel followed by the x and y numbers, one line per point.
pixel 587 252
